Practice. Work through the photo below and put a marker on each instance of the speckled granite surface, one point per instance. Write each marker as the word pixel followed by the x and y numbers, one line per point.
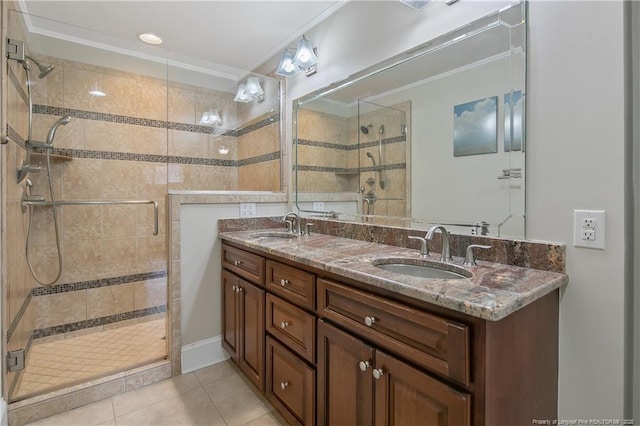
pixel 492 292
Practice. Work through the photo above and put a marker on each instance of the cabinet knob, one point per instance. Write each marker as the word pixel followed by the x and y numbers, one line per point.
pixel 284 282
pixel 284 324
pixel 364 365
pixel 377 373
pixel 369 321
pixel 237 262
pixel 234 288
pixel 238 289
pixel 284 385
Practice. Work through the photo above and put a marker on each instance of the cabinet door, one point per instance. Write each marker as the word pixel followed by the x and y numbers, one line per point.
pixel 251 353
pixel 405 396
pixel 230 314
pixel 345 392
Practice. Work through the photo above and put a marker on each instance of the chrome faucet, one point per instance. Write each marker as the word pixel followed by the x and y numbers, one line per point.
pixel 446 252
pixel 292 225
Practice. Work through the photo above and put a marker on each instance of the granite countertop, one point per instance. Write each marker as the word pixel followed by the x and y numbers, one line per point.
pixel 493 291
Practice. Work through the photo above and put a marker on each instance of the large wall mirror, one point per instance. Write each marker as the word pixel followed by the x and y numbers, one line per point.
pixel 434 135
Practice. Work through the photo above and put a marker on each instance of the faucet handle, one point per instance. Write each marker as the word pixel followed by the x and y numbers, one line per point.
pixel 307 227
pixel 424 249
pixel 289 225
pixel 469 259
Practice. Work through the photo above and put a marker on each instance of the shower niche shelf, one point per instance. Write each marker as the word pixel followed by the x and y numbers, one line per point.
pixel 54 157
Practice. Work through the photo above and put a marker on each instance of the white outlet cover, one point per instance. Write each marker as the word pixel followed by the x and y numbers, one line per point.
pixel 318 206
pixel 247 209
pixel 597 218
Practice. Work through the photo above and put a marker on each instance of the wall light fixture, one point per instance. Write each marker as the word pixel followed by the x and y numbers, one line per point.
pixel 304 59
pixel 210 118
pixel 250 91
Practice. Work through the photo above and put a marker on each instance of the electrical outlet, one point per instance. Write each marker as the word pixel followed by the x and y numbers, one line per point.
pixel 589 229
pixel 317 206
pixel 247 209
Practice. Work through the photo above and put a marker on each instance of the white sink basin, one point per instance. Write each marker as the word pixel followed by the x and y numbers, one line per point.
pixel 422 268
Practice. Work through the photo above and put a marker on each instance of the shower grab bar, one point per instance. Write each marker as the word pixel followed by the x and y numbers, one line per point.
pixel 96 203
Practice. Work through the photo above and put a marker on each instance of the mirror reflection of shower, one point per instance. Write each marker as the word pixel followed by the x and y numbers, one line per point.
pixel 381 179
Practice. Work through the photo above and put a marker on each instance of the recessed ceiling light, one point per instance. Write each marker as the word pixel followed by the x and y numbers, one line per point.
pixel 149 38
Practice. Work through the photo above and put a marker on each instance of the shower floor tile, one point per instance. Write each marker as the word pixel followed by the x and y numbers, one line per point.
pixel 77 359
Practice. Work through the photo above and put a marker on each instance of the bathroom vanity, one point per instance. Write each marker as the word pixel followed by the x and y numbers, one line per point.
pixel 331 338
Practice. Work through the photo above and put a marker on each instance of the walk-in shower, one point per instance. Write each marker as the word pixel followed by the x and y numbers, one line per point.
pixel 87 285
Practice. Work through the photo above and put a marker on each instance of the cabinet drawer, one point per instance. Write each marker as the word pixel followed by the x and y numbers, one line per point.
pixel 431 341
pixel 291 384
pixel 247 265
pixel 292 326
pixel 293 285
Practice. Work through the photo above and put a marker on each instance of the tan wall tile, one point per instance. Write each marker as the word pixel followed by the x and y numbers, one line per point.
pixel 119 256
pixel 152 254
pixel 105 301
pixel 151 100
pixel 188 144
pixel 107 136
pixel 182 105
pixel 121 95
pixel 82 179
pixel 120 220
pixel 148 140
pixel 81 222
pixel 82 260
pixel 149 294
pixel 77 84
pixel 61 308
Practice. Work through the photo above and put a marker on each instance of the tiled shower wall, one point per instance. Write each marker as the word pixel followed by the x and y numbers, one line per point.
pixel 138 142
pixel 330 159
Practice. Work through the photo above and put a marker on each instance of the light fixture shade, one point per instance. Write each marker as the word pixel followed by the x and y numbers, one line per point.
pixel 242 95
pixel 305 57
pixel 210 118
pixel 286 67
pixel 253 88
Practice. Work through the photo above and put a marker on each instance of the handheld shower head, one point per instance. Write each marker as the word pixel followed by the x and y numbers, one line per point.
pixel 44 70
pixel 381 129
pixel 373 160
pixel 52 132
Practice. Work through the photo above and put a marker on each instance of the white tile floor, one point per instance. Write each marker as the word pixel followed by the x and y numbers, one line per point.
pixel 216 395
pixel 65 362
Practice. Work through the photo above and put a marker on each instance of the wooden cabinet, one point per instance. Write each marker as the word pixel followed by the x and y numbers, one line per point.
pixel 243 326
pixel 291 385
pixel 327 352
pixel 359 385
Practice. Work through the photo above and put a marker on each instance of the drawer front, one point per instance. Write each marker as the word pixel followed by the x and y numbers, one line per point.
pixel 431 341
pixel 291 384
pixel 247 265
pixel 293 285
pixel 292 326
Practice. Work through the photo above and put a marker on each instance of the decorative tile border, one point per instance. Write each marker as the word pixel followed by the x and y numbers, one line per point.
pixel 104 282
pixel 273 156
pixel 80 325
pixel 135 121
pixel 351 147
pixel 303 168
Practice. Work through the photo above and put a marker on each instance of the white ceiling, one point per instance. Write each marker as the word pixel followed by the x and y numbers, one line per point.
pixel 231 37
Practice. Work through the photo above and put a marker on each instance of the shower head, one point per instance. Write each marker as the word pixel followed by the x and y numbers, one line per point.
pixel 52 132
pixel 381 129
pixel 365 129
pixel 44 70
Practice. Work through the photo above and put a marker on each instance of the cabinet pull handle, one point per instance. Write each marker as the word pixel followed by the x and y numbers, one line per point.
pixel 364 365
pixel 369 321
pixel 284 385
pixel 234 288
pixel 284 324
pixel 237 262
pixel 238 289
pixel 377 373
pixel 284 282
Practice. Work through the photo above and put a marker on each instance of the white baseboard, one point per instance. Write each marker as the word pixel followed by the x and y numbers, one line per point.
pixel 202 354
pixel 4 418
